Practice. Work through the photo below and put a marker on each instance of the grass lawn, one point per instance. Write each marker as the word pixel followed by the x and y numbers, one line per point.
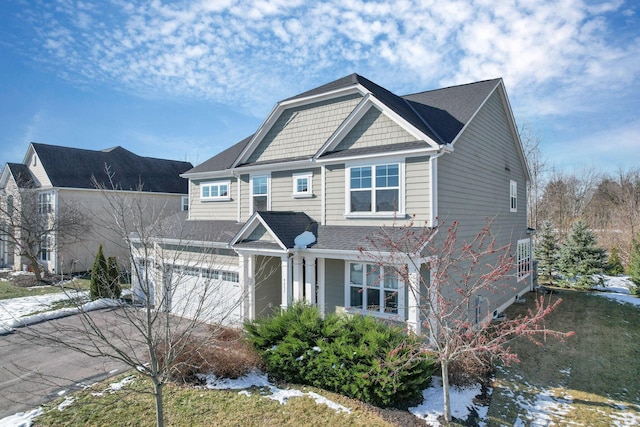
pixel 8 290
pixel 189 406
pixel 592 379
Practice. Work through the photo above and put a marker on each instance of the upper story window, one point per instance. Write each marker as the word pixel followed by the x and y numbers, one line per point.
pixel 523 258
pixel 372 289
pixel 302 185
pixel 10 205
pixel 184 203
pixel 215 190
pixel 260 193
pixel 374 189
pixel 45 203
pixel 513 196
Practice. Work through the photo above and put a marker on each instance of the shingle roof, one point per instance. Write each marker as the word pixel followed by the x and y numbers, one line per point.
pixel 447 110
pixel 75 168
pixel 288 225
pixel 21 174
pixel 440 114
pixel 223 160
pixel 178 227
pixel 387 148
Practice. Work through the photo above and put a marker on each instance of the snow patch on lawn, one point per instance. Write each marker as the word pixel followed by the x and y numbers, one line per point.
pixel 617 288
pixel 21 419
pixel 260 380
pixel 461 403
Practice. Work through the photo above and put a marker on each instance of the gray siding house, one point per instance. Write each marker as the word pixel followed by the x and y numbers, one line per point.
pixel 63 177
pixel 329 167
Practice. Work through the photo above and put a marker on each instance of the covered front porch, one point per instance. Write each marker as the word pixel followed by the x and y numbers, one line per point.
pixel 275 272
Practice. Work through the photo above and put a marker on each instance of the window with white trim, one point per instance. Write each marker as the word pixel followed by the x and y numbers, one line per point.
pixel 374 189
pixel 513 196
pixel 45 248
pixel 184 203
pixel 259 193
pixel 523 258
pixel 372 288
pixel 45 203
pixel 215 190
pixel 302 185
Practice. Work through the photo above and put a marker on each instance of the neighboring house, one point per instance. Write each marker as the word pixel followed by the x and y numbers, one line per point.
pixel 54 181
pixel 328 168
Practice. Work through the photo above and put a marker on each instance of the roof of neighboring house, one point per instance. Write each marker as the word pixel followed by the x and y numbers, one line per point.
pixel 76 168
pixel 440 114
pixel 21 174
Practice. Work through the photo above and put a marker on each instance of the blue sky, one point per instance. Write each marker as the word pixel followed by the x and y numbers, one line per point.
pixel 186 79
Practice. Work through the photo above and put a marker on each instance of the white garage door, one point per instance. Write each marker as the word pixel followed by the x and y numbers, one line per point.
pixel 212 296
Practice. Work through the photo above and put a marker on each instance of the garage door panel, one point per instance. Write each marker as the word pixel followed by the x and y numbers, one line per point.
pixel 209 300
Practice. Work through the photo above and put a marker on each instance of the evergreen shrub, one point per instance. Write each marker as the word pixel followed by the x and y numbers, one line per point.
pixel 357 356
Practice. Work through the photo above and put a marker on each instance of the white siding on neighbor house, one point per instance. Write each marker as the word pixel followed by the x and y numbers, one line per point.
pixel 301 131
pixel 474 184
pixel 79 256
pixel 213 209
pixel 374 129
pixel 40 175
pixel 282 198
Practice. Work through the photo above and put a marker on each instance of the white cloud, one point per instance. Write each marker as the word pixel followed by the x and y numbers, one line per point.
pixel 252 53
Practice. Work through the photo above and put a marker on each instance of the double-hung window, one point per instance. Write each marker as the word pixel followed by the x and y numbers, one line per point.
pixel 513 196
pixel 184 203
pixel 45 248
pixel 45 203
pixel 302 185
pixel 372 288
pixel 215 190
pixel 374 189
pixel 523 258
pixel 260 193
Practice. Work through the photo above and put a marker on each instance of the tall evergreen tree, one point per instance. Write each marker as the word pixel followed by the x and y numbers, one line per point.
pixel 115 290
pixel 614 265
pixel 99 286
pixel 547 252
pixel 634 267
pixel 581 257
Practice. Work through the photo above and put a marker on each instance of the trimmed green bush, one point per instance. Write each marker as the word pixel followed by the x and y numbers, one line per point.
pixel 357 356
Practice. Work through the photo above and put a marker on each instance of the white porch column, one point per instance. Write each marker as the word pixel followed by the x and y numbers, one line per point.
pixel 310 279
pixel 247 284
pixel 413 299
pixel 321 297
pixel 298 286
pixel 287 291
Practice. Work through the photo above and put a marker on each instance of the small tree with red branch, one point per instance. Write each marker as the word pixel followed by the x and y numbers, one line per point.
pixel 451 302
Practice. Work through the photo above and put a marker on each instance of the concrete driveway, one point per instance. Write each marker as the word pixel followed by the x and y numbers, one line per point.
pixel 33 370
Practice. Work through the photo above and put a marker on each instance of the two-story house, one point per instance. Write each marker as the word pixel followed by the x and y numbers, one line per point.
pixel 289 207
pixel 54 181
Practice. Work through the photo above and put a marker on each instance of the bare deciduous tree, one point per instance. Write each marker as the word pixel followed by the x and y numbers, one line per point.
pixel 184 295
pixel 537 170
pixel 455 320
pixel 35 225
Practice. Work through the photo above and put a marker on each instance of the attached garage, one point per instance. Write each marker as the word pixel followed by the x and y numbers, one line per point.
pixel 211 295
